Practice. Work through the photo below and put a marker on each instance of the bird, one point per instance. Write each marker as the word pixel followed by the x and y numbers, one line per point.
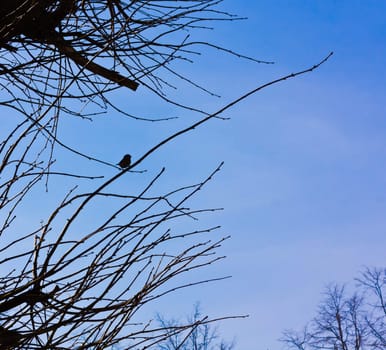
pixel 125 162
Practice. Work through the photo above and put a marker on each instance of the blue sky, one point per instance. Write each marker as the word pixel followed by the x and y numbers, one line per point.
pixel 304 180
pixel 307 161
pixel 303 184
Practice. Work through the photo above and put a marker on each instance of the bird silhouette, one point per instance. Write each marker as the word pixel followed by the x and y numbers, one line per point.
pixel 125 162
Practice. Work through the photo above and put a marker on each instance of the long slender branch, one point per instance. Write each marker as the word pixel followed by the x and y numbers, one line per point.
pixel 228 106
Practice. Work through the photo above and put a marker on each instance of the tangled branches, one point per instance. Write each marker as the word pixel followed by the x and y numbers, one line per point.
pixel 102 250
pixel 81 286
pixel 77 279
pixel 77 49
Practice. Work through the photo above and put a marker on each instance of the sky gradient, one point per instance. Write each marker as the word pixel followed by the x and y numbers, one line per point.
pixel 303 185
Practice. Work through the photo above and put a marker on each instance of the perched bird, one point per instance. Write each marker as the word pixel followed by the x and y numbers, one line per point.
pixel 125 162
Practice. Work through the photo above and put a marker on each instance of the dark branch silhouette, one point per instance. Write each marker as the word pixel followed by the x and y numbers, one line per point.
pixel 347 321
pixel 80 264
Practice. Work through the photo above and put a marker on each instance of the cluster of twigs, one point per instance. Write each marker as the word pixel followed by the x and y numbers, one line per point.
pixel 81 286
pixel 82 49
pixel 78 279
pixel 64 57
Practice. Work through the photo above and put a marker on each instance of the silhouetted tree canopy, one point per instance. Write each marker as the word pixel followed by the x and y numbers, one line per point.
pixel 55 50
pixel 347 321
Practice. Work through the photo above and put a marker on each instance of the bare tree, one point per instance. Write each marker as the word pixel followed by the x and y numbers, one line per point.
pixel 373 281
pixel 77 275
pixel 201 336
pixel 347 322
